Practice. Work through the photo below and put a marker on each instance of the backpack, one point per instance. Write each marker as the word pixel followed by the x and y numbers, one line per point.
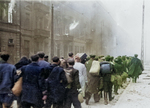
pixel 95 68
pixel 105 68
pixel 68 75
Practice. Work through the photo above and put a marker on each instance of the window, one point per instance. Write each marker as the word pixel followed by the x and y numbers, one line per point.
pixel 46 24
pixel 66 30
pixel 76 49
pixel 70 48
pixel 7 10
pixel 10 10
pixel 3 11
pixel 82 49
pixel 27 21
pixel 10 42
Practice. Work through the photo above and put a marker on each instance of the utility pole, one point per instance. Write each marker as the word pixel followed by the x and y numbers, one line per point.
pixel 52 37
pixel 20 28
pixel 142 39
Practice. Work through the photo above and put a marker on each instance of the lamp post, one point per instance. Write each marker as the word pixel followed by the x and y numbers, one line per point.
pixel 52 37
pixel 142 39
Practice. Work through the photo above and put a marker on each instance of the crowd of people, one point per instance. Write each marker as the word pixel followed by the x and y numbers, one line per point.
pixel 58 83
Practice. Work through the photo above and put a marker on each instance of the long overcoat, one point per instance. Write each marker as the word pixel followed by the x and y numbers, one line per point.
pixel 93 81
pixel 56 85
pixel 32 84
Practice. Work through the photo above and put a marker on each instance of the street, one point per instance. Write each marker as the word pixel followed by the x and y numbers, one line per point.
pixel 136 95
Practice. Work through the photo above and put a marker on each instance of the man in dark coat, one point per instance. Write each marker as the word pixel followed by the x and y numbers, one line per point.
pixel 22 62
pixel 32 86
pixel 44 64
pixel 56 83
pixel 73 85
pixel 7 72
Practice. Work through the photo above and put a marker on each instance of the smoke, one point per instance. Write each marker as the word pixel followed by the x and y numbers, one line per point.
pixel 73 25
pixel 12 5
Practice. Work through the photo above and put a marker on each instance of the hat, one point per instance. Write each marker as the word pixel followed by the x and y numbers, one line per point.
pixel 103 58
pixel 92 56
pixel 96 58
pixel 46 56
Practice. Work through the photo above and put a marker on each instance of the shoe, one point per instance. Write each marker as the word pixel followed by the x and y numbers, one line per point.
pixel 105 102
pixel 111 98
pixel 116 93
pixel 87 102
pixel 96 101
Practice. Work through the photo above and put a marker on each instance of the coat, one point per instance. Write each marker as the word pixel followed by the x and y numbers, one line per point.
pixel 56 85
pixel 32 86
pixel 46 67
pixel 82 73
pixel 135 68
pixel 93 81
pixel 75 84
pixel 7 72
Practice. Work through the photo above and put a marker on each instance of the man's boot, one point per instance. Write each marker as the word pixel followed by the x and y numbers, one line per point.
pixel 87 101
pixel 110 96
pixel 105 98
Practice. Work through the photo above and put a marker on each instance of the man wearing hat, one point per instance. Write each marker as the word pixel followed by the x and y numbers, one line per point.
pixel 93 83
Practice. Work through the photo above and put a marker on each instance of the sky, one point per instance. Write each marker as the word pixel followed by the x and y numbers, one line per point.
pixel 128 16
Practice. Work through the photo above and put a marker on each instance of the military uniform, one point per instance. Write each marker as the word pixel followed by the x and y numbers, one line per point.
pixel 92 85
pixel 107 81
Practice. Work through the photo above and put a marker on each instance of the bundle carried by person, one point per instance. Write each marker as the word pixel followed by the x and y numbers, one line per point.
pixel 117 79
pixel 95 68
pixel 105 68
pixel 68 74
pixel 124 75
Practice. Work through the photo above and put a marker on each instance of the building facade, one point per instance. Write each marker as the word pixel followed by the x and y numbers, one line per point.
pixel 24 29
pixel 79 27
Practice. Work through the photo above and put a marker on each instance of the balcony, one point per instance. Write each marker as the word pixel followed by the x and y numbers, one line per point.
pixel 41 33
pixel 64 38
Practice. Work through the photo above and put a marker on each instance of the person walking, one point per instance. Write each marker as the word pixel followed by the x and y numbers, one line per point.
pixel 32 86
pixel 56 84
pixel 93 83
pixel 82 73
pixel 7 72
pixel 73 85
pixel 22 62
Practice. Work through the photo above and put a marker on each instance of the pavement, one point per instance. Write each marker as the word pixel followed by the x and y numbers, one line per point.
pixel 135 95
pixel 100 104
